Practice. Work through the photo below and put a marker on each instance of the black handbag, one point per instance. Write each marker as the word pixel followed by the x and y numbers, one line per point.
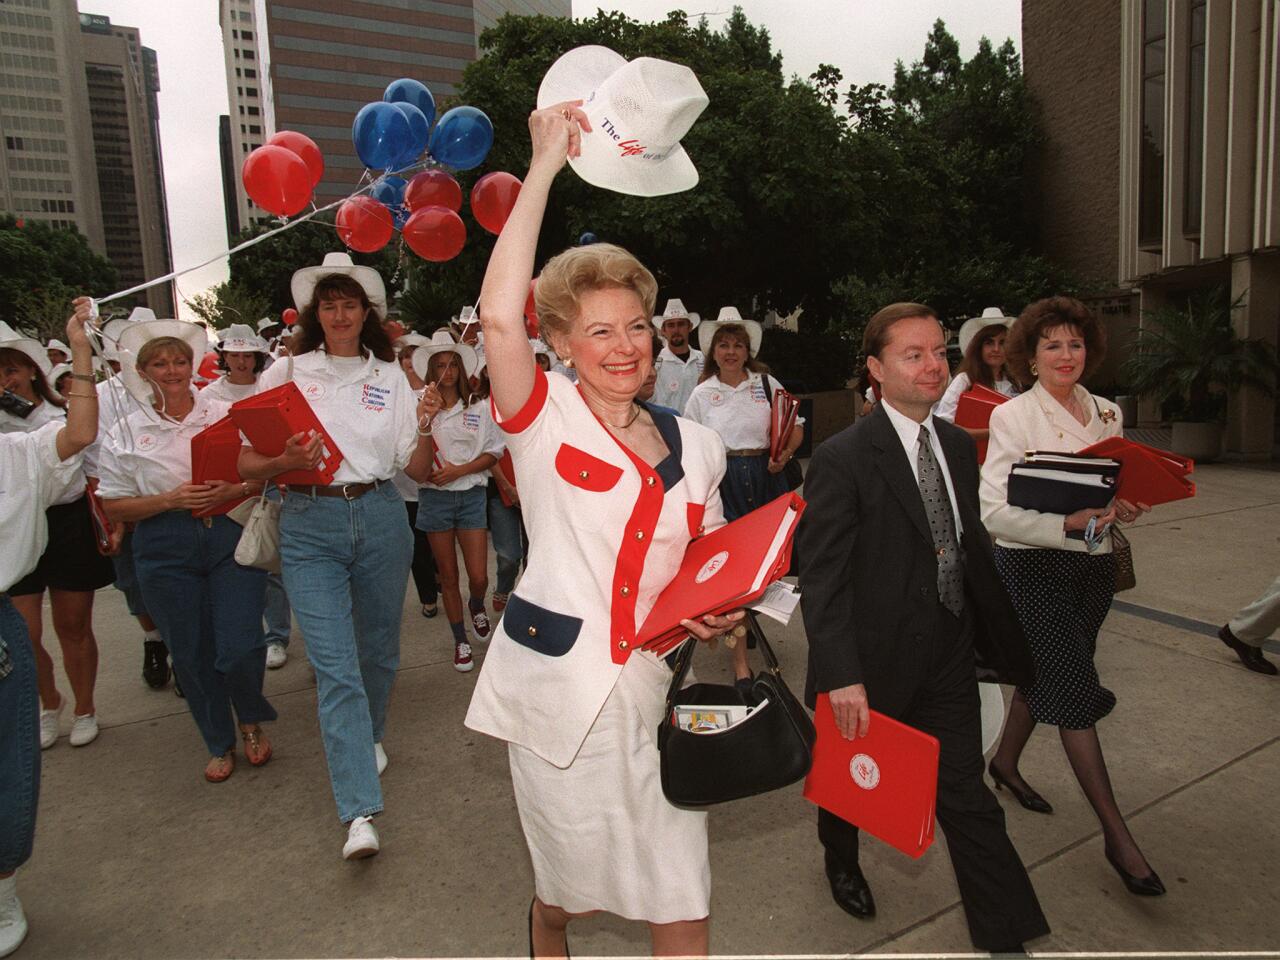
pixel 771 748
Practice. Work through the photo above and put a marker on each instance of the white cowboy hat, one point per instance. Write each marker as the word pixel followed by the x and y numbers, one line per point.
pixel 730 315
pixel 675 311
pixel 140 334
pixel 56 344
pixel 240 338
pixel 466 317
pixel 411 339
pixel 989 318
pixel 10 339
pixel 639 111
pixel 266 323
pixel 442 342
pixel 303 284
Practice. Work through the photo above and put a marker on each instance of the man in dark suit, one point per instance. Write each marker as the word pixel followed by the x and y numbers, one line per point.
pixel 902 605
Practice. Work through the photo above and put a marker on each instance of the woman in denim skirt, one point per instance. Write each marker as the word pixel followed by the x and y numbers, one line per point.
pixel 345 548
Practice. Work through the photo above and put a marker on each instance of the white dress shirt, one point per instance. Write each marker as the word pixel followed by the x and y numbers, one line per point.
pixel 676 377
pixel 946 407
pixel 154 454
pixel 909 433
pixel 365 403
pixel 461 434
pixel 46 412
pixel 739 414
pixel 32 478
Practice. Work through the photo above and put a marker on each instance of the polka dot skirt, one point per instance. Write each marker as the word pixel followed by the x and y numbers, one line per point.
pixel 1061 598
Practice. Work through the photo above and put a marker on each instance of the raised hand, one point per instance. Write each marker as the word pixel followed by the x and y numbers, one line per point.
pixel 556 133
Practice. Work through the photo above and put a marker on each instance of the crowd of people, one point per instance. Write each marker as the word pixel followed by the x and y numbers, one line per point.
pixel 591 456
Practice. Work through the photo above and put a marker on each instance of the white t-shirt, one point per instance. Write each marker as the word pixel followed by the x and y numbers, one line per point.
pixel 45 412
pixel 224 389
pixel 32 479
pixel 676 378
pixel 946 407
pixel 365 403
pixel 462 434
pixel 154 455
pixel 739 414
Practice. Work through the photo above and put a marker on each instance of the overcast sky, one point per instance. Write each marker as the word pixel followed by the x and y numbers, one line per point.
pixel 862 37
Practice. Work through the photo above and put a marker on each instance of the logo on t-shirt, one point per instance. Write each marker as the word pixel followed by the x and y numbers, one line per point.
pixel 712 567
pixel 865 771
pixel 313 391
pixel 374 398
pixel 146 441
pixel 470 421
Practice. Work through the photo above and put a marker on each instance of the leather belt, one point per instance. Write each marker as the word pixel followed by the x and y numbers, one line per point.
pixel 347 491
pixel 745 453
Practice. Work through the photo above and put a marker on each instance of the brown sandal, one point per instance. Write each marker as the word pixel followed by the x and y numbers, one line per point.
pixel 220 768
pixel 257 748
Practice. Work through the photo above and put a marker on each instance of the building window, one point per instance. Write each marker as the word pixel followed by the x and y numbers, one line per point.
pixel 246 34
pixel 1151 174
pixel 251 91
pixel 1195 124
pixel 250 73
pixel 253 111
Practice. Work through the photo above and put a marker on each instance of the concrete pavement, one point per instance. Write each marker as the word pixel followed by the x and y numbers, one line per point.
pixel 136 856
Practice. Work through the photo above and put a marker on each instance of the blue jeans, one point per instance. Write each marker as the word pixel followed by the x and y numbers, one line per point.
pixel 507 528
pixel 19 743
pixel 127 577
pixel 346 567
pixel 208 608
pixel 277 614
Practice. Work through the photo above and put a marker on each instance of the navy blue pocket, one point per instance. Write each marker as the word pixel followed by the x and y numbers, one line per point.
pixel 540 629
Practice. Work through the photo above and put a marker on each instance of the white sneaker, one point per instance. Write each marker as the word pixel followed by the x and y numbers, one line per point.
pixel 276 656
pixel 362 839
pixel 84 730
pixel 381 756
pixel 13 922
pixel 49 725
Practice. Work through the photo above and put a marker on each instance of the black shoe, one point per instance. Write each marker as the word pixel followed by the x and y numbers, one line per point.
pixel 1250 656
pixel 1148 886
pixel 849 889
pixel 1028 797
pixel 155 663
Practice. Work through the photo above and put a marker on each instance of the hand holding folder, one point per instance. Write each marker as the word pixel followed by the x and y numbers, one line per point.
pixel 728 568
pixel 215 455
pixel 1147 475
pixel 885 783
pixel 269 419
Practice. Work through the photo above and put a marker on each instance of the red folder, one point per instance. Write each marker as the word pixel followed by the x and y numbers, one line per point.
pixel 728 568
pixel 215 455
pixel 269 419
pixel 973 410
pixel 783 413
pixel 102 527
pixel 506 466
pixel 885 783
pixel 1147 474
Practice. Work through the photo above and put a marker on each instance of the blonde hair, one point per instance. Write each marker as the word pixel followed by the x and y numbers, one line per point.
pixel 154 347
pixel 597 266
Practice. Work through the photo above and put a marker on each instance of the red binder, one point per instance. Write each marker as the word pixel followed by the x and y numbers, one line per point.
pixel 215 455
pixel 1147 474
pixel 506 466
pixel 783 413
pixel 269 419
pixel 973 410
pixel 102 527
pixel 885 783
pixel 726 569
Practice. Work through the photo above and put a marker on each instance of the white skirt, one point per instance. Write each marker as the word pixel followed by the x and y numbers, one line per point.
pixel 601 833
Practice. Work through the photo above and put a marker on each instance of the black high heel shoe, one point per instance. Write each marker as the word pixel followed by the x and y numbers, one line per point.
pixel 1028 798
pixel 1148 886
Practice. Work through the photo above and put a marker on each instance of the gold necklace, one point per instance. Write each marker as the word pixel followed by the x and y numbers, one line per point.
pixel 629 422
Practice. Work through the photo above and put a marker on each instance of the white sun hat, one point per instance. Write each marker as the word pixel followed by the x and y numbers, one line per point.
pixel 56 344
pixel 639 111
pixel 730 315
pixel 303 284
pixel 466 317
pixel 988 318
pixel 141 333
pixel 240 338
pixel 675 310
pixel 10 339
pixel 411 339
pixel 442 342
pixel 266 323
pixel 113 329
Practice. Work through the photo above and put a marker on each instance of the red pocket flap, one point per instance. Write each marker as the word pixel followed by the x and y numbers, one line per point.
pixel 696 511
pixel 585 471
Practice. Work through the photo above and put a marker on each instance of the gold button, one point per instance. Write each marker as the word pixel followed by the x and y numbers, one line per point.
pixel 533 631
pixel 639 534
pixel 622 645
pixel 625 591
pixel 583 474
pixel 650 481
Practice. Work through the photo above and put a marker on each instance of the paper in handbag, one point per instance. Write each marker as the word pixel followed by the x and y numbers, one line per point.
pixel 215 455
pixel 1148 475
pixel 270 418
pixel 885 783
pixel 506 466
pixel 726 569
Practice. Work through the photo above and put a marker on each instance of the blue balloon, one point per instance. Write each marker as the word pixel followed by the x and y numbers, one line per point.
pixel 381 135
pixel 462 138
pixel 587 239
pixel 389 191
pixel 420 128
pixel 408 90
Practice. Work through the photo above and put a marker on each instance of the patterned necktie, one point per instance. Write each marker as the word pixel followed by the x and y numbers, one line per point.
pixel 942 524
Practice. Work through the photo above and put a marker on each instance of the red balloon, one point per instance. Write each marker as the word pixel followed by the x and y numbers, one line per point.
pixel 208 370
pixel 305 148
pixel 277 180
pixel 364 224
pixel 435 233
pixel 492 199
pixel 531 310
pixel 289 316
pixel 394 329
pixel 433 188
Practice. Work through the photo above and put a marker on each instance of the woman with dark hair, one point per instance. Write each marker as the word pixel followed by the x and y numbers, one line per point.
pixel 71 568
pixel 982 343
pixel 1060 582
pixel 345 548
pixel 452 505
pixel 242 355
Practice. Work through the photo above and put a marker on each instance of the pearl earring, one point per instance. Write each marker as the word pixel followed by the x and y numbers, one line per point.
pixel 568 362
pixel 1034 373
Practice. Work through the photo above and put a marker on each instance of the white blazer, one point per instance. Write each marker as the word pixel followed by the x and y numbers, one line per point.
pixel 1036 421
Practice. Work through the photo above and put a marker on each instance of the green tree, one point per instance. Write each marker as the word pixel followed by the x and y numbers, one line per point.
pixel 228 303
pixel 41 270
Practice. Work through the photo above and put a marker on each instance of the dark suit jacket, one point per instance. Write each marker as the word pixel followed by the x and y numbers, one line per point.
pixel 869 574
